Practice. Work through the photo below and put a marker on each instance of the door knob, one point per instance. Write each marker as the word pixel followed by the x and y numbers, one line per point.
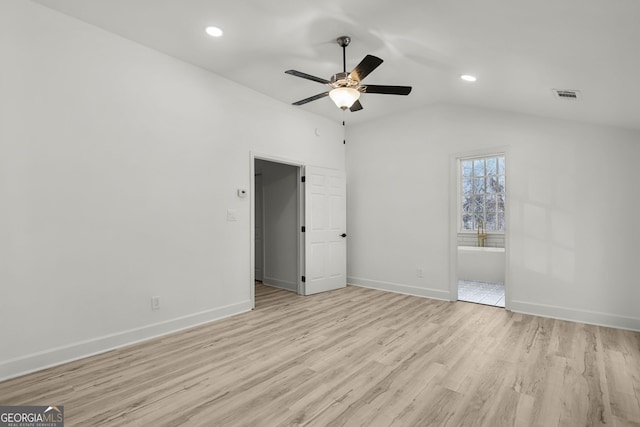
pixel 343 235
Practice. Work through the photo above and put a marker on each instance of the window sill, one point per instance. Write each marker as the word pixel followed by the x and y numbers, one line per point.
pixel 488 233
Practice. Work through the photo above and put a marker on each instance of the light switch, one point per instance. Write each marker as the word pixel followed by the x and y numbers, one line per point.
pixel 231 215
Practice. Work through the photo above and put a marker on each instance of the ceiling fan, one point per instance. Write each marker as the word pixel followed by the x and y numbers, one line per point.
pixel 346 87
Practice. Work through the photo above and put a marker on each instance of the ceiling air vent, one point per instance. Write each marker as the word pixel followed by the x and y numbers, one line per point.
pixel 567 94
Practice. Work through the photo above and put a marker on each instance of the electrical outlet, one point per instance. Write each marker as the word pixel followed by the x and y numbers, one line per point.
pixel 419 273
pixel 155 303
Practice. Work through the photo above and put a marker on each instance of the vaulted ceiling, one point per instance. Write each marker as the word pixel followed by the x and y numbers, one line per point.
pixel 519 50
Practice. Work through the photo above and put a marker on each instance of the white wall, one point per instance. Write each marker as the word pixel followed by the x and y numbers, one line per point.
pixel 572 205
pixel 117 167
pixel 280 222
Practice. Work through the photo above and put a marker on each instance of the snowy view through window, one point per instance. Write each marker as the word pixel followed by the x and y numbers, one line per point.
pixel 483 185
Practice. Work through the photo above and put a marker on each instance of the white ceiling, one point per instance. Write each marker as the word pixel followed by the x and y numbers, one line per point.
pixel 519 50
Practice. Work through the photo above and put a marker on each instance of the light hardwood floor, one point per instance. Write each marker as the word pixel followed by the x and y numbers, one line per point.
pixel 354 357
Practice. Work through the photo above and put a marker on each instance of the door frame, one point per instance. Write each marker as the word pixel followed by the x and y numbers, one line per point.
pixel 300 219
pixel 453 219
pixel 255 192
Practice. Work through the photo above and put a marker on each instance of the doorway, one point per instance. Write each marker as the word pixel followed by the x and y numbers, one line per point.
pixel 320 255
pixel 479 228
pixel 276 225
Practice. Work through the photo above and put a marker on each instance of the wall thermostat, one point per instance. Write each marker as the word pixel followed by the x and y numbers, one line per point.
pixel 242 193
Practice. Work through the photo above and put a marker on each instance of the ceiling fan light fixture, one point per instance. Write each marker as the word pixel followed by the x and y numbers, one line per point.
pixel 346 87
pixel 214 31
pixel 344 97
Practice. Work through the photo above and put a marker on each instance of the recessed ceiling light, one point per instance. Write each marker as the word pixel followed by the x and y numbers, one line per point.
pixel 468 78
pixel 214 31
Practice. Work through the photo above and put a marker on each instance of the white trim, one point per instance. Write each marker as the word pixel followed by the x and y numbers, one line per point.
pixel 454 226
pixel 252 231
pixel 280 284
pixel 275 159
pixel 399 288
pixel 576 315
pixel 481 154
pixel 301 236
pixel 489 233
pixel 57 356
pixel 256 174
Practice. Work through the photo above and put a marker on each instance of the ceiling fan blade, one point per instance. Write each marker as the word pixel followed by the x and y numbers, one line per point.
pixel 356 106
pixel 366 66
pixel 307 76
pixel 311 98
pixel 388 90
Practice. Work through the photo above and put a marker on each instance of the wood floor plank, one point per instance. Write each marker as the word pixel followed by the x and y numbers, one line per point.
pixel 354 357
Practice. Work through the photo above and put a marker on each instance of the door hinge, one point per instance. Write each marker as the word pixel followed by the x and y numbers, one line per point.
pixel 303 279
pixel 303 179
pixel 304 229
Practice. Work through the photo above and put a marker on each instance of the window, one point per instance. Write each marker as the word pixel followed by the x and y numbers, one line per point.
pixel 482 193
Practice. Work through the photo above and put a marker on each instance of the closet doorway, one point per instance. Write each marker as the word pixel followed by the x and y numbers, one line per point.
pixel 276 224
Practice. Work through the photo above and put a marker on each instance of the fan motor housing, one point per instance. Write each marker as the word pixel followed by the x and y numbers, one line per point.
pixel 342 80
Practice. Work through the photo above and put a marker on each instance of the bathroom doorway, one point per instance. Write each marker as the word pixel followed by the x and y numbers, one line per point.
pixel 479 228
pixel 486 293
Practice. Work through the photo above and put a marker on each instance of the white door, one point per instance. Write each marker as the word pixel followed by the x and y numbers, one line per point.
pixel 326 227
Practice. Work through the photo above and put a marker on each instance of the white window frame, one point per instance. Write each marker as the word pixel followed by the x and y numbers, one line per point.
pixel 460 192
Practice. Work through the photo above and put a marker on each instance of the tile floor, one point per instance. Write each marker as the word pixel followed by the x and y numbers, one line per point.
pixel 481 292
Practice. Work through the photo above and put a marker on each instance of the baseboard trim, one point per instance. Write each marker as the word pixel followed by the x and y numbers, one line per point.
pixel 57 356
pixel 280 284
pixel 400 288
pixel 575 315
